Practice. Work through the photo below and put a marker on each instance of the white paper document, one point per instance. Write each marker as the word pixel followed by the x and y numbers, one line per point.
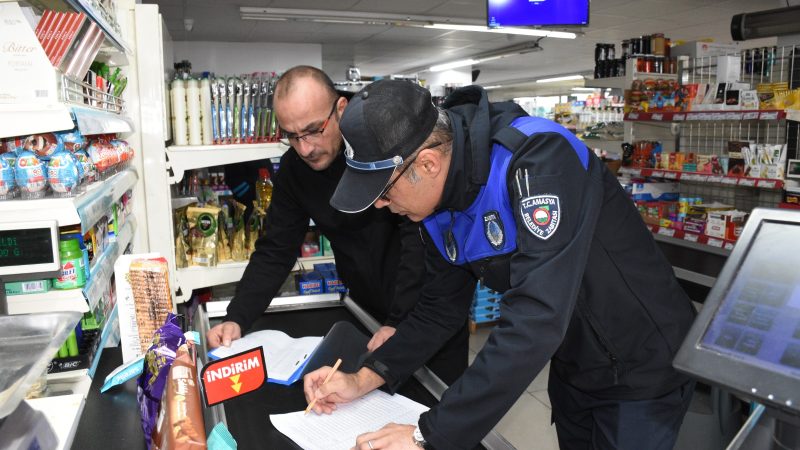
pixel 284 356
pixel 340 429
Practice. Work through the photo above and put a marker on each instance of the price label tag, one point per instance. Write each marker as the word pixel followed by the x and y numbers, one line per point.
pixel 670 232
pixel 691 237
pixel 771 115
pixel 658 116
pixel 679 117
pixel 751 115
pixel 747 182
pixel 671 175
pixel 658 173
pixel 767 184
pixel 715 242
pixel 729 245
pixel 733 116
pixel 633 116
pixel 730 180
pixel 714 179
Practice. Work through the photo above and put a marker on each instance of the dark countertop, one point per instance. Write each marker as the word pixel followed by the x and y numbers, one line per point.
pixel 111 420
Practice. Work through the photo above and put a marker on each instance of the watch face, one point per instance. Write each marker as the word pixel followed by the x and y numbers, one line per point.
pixel 418 436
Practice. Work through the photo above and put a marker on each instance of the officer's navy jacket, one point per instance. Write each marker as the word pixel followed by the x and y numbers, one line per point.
pixel 584 283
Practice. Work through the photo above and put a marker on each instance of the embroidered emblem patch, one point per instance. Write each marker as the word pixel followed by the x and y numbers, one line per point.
pixel 348 149
pixel 450 246
pixel 493 229
pixel 541 214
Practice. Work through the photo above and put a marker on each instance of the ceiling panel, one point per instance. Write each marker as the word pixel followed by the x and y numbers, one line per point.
pixel 380 50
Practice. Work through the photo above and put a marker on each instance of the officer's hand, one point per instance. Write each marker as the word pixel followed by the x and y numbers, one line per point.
pixel 223 334
pixel 382 335
pixel 391 437
pixel 341 388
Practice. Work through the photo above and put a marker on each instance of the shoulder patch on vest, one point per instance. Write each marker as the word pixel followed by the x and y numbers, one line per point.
pixel 541 214
pixel 493 229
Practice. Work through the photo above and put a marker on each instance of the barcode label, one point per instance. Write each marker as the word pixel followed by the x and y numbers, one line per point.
pixel 40 93
pixel 33 286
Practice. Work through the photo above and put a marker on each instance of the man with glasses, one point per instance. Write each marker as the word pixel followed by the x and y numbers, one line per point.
pixel 378 255
pixel 521 204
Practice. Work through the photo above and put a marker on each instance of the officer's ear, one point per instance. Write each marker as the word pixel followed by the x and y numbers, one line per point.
pixel 432 162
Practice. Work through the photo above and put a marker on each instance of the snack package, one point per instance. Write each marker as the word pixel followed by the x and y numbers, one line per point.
pixel 239 242
pixel 149 280
pixel 223 246
pixel 7 180
pixel 63 173
pixel 182 251
pixel 72 140
pixel 203 224
pixel 29 174
pixel 254 228
pixel 152 381
pixel 44 145
pixel 103 154
pixel 180 423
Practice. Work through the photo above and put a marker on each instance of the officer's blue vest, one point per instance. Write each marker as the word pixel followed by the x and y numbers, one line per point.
pixel 469 227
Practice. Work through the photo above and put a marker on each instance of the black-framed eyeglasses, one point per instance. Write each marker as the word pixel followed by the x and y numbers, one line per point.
pixel 292 138
pixel 407 164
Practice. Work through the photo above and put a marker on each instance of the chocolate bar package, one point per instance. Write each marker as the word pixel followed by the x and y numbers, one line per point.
pixel 180 423
pixel 157 362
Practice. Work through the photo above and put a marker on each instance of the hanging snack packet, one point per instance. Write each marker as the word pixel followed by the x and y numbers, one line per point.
pixel 203 224
pixel 153 379
pixel 254 228
pixel 182 252
pixel 239 238
pixel 223 246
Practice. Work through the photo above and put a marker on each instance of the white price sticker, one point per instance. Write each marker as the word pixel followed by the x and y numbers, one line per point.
pixel 715 242
pixel 747 182
pixel 690 237
pixel 670 232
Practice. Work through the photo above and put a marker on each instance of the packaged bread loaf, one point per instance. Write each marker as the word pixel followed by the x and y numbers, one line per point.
pixel 149 279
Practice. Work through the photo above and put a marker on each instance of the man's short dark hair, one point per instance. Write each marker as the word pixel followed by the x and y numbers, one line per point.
pixel 287 81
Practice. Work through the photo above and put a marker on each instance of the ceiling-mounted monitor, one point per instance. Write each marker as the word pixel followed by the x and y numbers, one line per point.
pixel 532 13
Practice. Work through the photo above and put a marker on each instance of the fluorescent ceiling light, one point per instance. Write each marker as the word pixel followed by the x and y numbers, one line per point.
pixel 564 78
pixel 453 65
pixel 408 20
pixel 494 86
pixel 517 31
pixel 584 89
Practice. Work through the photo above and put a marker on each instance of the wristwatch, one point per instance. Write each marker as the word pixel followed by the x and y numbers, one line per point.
pixel 419 439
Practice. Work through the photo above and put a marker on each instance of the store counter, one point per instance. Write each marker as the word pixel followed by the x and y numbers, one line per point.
pixel 111 420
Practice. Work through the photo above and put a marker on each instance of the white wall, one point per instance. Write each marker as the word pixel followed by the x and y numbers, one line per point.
pixel 245 57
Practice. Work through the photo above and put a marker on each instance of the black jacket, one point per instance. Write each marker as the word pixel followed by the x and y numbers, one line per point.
pixel 367 247
pixel 597 298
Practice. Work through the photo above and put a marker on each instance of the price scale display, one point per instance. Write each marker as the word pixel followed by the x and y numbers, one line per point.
pixel 28 247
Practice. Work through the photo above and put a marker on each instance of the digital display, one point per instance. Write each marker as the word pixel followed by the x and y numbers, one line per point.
pixel 508 13
pixel 758 320
pixel 26 247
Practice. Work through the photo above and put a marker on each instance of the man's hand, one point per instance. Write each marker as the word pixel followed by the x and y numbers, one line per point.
pixel 341 388
pixel 223 334
pixel 391 437
pixel 382 335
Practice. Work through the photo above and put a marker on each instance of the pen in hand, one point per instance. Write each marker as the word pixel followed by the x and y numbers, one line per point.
pixel 330 374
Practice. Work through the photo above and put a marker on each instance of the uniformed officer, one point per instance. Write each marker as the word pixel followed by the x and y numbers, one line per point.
pixel 379 258
pixel 521 204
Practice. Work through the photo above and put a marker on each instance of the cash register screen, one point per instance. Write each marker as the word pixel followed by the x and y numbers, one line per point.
pixel 758 320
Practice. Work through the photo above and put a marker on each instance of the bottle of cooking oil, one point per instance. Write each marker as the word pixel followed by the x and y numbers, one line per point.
pixel 263 189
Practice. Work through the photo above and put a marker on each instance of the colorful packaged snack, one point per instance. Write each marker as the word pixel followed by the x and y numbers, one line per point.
pixel 63 173
pixel 89 170
pixel 72 140
pixel 152 381
pixel 43 145
pixel 7 180
pixel 203 225
pixel 30 175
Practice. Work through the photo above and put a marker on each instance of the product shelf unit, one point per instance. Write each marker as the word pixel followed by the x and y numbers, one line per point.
pixel 85 209
pixel 44 99
pixel 183 158
pixel 191 278
pixel 677 175
pixel 631 74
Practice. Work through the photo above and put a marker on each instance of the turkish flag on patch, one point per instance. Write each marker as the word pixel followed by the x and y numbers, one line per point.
pixel 233 376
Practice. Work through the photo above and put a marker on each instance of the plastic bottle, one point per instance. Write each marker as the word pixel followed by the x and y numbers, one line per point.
pixel 73 274
pixel 193 112
pixel 180 132
pixel 263 188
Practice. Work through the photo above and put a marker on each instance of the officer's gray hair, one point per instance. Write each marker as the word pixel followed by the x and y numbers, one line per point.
pixel 442 134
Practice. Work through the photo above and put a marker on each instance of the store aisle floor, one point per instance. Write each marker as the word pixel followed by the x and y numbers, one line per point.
pixel 527 425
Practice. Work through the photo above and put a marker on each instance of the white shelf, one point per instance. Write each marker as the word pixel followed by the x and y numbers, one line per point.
pixel 85 209
pixel 75 299
pixel 623 83
pixel 183 158
pixel 63 412
pixel 191 278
